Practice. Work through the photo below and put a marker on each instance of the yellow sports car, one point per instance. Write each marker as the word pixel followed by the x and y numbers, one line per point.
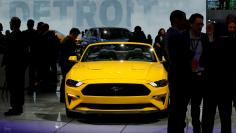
pixel 123 77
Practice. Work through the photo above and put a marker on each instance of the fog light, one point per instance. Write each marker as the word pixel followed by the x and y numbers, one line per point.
pixel 161 97
pixel 74 97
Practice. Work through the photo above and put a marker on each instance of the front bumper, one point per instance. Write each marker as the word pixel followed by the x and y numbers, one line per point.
pixel 155 101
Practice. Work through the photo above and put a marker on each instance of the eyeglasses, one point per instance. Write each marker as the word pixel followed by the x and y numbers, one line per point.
pixel 199 24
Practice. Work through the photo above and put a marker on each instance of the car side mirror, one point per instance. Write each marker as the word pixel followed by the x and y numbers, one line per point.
pixel 164 62
pixel 163 59
pixel 73 59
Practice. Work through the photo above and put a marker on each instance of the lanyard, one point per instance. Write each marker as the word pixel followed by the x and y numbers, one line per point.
pixel 193 44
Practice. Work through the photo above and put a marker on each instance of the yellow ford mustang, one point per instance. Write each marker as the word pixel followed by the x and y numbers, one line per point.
pixel 117 77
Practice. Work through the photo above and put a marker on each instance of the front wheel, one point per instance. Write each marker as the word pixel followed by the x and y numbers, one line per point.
pixel 70 114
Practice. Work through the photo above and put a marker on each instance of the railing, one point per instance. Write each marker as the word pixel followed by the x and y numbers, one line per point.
pixel 215 5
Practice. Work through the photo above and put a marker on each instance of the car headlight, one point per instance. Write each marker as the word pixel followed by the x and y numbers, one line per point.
pixel 159 83
pixel 73 83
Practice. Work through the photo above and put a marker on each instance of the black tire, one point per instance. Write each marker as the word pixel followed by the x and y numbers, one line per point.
pixel 70 114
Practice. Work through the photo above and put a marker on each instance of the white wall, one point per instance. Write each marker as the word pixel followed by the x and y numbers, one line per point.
pixel 63 14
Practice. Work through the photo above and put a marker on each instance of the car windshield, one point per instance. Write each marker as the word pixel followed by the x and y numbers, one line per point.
pixel 109 33
pixel 119 52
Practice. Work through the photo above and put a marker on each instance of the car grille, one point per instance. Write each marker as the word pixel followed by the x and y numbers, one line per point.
pixel 115 106
pixel 115 90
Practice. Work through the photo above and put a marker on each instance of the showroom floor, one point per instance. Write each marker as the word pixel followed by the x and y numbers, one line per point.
pixel 44 114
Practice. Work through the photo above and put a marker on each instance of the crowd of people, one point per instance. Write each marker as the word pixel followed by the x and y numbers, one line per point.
pixel 200 66
pixel 36 49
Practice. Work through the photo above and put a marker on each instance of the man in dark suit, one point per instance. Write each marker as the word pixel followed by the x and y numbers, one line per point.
pixel 198 45
pixel 68 48
pixel 179 71
pixel 30 40
pixel 15 62
pixel 221 75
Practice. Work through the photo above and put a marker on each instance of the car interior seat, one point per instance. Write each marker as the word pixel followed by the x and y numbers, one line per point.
pixel 105 54
pixel 135 54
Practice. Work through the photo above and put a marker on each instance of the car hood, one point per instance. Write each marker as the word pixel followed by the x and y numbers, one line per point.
pixel 117 70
